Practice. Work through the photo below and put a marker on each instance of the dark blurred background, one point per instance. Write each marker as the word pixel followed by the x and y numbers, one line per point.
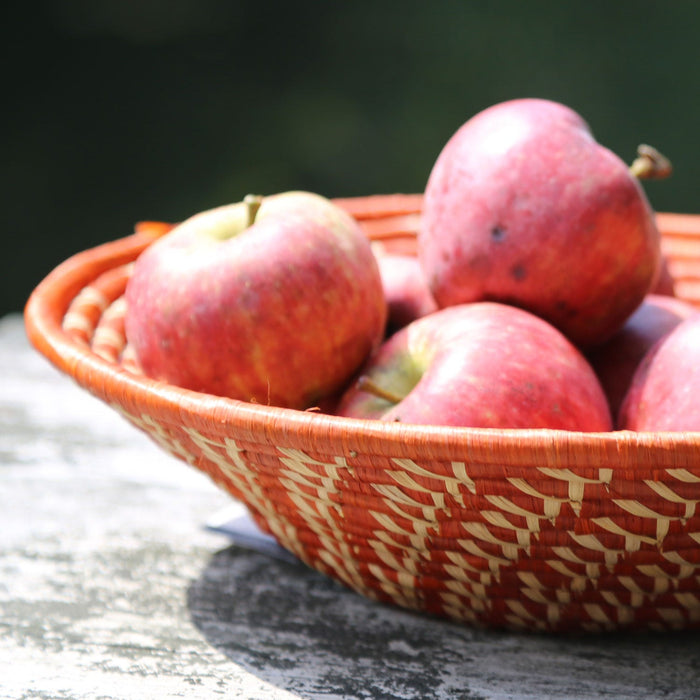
pixel 122 110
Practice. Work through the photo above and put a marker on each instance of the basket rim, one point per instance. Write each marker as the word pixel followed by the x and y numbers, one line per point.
pixel 48 303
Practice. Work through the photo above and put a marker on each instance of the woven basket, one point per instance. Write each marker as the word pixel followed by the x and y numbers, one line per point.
pixel 534 529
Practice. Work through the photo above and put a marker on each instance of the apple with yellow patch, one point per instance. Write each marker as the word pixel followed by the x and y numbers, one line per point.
pixel 276 300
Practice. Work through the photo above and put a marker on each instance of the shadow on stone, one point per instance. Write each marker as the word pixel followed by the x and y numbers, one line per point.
pixel 303 632
pixel 307 634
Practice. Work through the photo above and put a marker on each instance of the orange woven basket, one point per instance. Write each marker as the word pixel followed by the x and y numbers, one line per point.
pixel 534 529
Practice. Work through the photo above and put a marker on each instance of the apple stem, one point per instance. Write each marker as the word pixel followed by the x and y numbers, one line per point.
pixel 650 164
pixel 365 383
pixel 252 202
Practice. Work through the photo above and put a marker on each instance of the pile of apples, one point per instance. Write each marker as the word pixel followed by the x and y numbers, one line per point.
pixel 533 301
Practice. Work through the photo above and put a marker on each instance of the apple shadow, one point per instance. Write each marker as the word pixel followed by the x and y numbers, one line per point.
pixel 304 633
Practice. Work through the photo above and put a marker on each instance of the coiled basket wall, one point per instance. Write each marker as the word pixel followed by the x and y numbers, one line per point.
pixel 534 529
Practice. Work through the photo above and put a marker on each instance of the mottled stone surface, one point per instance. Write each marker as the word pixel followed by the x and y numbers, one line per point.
pixel 111 587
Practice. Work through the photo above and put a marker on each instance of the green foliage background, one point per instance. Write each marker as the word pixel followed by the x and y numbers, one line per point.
pixel 119 111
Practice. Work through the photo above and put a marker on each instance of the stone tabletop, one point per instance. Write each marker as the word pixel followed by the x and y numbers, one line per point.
pixel 111 586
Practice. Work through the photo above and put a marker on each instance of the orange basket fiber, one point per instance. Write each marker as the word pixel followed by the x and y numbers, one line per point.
pixel 529 529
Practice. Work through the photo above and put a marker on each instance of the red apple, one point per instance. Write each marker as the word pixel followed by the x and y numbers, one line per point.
pixel 278 305
pixel 616 360
pixel 483 365
pixel 405 289
pixel 665 390
pixel 524 206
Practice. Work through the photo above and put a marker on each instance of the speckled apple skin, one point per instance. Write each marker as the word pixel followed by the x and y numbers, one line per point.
pixel 282 313
pixel 523 206
pixel 482 365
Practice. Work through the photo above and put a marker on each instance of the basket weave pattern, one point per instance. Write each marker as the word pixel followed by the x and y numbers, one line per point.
pixel 533 529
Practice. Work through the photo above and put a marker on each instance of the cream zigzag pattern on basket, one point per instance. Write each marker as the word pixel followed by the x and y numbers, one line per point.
pixel 576 483
pixel 228 457
pixel 157 433
pixel 464 586
pixel 77 321
pixel 107 341
pixel 465 595
pixel 319 513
